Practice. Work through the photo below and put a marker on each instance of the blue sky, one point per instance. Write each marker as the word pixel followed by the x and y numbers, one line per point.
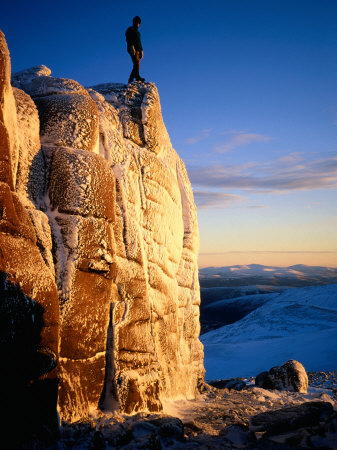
pixel 249 97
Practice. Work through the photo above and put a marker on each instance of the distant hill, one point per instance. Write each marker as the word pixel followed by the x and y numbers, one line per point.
pixel 255 274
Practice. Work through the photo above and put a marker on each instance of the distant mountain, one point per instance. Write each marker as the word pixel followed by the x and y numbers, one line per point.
pixel 295 324
pixel 256 274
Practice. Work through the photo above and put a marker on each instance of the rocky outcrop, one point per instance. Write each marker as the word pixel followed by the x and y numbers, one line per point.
pixel 29 307
pixel 156 245
pixel 291 376
pixel 111 209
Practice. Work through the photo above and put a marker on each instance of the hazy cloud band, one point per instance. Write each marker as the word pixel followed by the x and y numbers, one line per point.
pixel 281 175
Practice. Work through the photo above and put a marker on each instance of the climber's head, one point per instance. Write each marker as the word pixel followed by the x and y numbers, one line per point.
pixel 136 21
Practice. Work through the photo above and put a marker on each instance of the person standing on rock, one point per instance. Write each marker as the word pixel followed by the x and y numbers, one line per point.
pixel 135 48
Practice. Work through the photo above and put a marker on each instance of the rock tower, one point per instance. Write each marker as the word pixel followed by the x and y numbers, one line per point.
pixel 99 241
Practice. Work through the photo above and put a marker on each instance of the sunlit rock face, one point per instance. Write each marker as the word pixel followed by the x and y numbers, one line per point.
pixel 29 306
pixel 156 321
pixel 121 238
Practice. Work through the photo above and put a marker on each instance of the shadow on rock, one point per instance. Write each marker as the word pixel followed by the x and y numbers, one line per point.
pixel 141 431
pixel 28 400
pixel 309 425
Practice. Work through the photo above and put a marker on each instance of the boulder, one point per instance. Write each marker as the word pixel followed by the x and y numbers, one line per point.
pixel 291 376
pixel 234 383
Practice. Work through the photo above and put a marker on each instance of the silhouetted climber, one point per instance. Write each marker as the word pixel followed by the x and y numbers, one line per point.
pixel 135 48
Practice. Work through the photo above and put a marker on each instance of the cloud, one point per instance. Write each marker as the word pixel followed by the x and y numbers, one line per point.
pixel 208 199
pixel 293 158
pixel 233 132
pixel 203 135
pixel 275 177
pixel 240 139
pixel 313 204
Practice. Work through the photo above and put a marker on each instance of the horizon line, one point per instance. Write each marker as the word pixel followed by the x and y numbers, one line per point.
pixel 265 265
pixel 269 251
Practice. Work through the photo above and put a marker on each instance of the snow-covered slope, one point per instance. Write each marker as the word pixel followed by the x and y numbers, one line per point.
pixel 223 312
pixel 217 294
pixel 296 324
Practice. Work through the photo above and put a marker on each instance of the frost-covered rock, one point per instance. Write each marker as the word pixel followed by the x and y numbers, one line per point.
pixel 291 376
pixel 156 245
pixel 28 146
pixel 68 115
pixel 29 307
pixel 121 238
pixel 139 110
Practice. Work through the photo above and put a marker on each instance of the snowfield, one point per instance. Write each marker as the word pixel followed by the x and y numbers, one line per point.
pixel 296 324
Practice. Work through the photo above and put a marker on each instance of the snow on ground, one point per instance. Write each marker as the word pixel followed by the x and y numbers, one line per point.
pixel 298 324
pixel 250 358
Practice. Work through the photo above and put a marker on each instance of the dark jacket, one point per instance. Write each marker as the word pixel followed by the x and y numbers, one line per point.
pixel 133 38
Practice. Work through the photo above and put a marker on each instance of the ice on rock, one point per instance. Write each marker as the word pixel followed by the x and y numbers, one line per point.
pixel 114 221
